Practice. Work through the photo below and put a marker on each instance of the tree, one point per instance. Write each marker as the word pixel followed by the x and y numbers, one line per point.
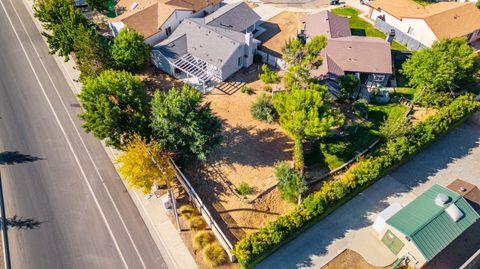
pixel 441 67
pixel 477 4
pixel 268 76
pixel 302 114
pixel 348 84
pixel 396 125
pixel 360 108
pixel 129 50
pixel 115 106
pixel 92 52
pixel 138 168
pixel 62 20
pixel 291 183
pixel 99 5
pixel 182 124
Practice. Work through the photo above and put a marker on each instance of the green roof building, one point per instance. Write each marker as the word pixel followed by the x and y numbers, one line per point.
pixel 428 224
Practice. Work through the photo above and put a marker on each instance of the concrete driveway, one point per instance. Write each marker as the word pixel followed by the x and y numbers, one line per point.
pixel 457 155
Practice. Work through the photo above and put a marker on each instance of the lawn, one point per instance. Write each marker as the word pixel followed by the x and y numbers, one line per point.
pixel 334 150
pixel 361 27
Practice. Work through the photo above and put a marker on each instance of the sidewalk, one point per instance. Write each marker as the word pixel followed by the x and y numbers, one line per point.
pixel 163 231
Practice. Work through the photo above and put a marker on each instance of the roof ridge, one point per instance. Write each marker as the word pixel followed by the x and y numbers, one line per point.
pixel 213 28
pixel 228 7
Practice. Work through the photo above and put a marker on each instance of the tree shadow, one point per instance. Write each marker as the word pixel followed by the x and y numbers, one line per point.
pixel 15 157
pixel 21 223
pixel 421 171
pixel 358 32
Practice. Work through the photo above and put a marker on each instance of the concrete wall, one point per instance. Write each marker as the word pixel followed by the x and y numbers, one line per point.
pixel 421 31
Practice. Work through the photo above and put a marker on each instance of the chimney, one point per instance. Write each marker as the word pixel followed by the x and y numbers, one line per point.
pixel 248 38
pixel 391 36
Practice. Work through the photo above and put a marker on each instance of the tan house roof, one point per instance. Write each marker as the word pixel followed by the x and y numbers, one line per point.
pixel 445 19
pixel 149 15
pixel 326 23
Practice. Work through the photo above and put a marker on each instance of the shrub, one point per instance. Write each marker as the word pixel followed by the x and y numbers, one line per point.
pixel 202 239
pixel 187 210
pixel 290 182
pixel 267 88
pixel 244 189
pixel 262 109
pixel 396 125
pixel 214 255
pixel 360 108
pixel 348 84
pixel 196 223
pixel 259 244
pixel 247 90
pixel 268 76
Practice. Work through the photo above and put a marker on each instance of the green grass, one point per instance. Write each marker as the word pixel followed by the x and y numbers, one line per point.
pixel 406 92
pixel 361 27
pixel 378 113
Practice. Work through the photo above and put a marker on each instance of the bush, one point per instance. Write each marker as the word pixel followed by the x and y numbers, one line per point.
pixel 197 223
pixel 268 76
pixel 187 210
pixel 262 109
pixel 202 239
pixel 258 244
pixel 290 182
pixel 214 255
pixel 248 90
pixel 267 88
pixel 348 84
pixel 360 108
pixel 244 189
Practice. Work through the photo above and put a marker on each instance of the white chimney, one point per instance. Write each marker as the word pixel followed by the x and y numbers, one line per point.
pixel 248 38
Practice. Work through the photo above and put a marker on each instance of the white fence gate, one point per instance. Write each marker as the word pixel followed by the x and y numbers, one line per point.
pixel 272 60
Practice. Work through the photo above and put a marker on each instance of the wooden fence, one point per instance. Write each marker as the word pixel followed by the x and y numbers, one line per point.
pixel 205 213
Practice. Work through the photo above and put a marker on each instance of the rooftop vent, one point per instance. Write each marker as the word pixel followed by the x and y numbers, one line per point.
pixel 462 189
pixel 442 199
pixel 454 212
pixel 134 6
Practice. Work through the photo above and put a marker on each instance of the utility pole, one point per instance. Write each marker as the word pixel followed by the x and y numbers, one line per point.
pixel 6 250
pixel 170 191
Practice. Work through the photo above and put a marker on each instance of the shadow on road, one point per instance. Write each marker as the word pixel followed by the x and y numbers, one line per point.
pixel 22 224
pixel 15 157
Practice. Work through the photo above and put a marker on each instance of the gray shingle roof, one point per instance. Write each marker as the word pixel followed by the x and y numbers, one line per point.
pixel 326 23
pixel 237 17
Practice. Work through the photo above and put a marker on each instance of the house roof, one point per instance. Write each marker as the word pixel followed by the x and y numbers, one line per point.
pixel 149 15
pixel 469 191
pixel 214 45
pixel 428 225
pixel 445 19
pixel 237 17
pixel 326 23
pixel 355 54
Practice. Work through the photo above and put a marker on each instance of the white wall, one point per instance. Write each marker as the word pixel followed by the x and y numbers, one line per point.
pixel 421 31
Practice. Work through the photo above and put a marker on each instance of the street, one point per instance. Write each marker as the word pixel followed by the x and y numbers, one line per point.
pixel 70 207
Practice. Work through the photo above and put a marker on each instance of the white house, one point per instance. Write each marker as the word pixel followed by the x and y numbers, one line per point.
pixel 157 19
pixel 419 26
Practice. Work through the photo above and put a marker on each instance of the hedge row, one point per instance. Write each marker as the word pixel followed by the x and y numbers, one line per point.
pixel 256 246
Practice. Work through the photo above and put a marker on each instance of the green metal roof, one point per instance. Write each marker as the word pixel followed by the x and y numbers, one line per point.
pixel 428 225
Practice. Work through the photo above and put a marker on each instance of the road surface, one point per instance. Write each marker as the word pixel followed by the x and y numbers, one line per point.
pixel 72 208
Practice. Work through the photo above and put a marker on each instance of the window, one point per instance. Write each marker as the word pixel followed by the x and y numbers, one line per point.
pixel 239 61
pixel 378 78
pixel 410 30
pixel 168 31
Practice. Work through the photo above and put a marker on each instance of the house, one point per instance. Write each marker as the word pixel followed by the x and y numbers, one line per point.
pixel 157 19
pixel 425 227
pixel 369 58
pixel 206 51
pixel 419 26
pixel 470 192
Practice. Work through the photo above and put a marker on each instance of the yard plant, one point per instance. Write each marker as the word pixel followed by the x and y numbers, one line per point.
pixel 258 245
pixel 244 189
pixel 268 76
pixel 262 109
pixel 214 255
pixel 129 51
pixel 202 239
pixel 291 183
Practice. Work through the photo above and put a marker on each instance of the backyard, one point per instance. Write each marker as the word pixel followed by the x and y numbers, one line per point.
pixel 361 27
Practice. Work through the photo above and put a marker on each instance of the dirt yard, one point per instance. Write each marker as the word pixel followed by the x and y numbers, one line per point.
pixel 420 114
pixel 349 259
pixel 247 154
pixel 279 30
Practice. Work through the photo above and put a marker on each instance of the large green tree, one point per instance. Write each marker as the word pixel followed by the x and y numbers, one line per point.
pixel 115 106
pixel 441 67
pixel 129 51
pixel 61 20
pixel 304 114
pixel 183 124
pixel 92 52
pixel 348 84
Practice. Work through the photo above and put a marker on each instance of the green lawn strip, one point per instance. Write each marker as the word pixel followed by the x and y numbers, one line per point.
pixel 378 113
pixel 361 27
pixel 406 92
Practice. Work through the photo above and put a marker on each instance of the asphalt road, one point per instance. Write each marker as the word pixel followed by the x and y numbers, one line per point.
pixel 72 210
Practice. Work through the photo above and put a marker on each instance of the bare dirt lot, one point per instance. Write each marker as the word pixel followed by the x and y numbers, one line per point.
pixel 248 153
pixel 280 29
pixel 349 259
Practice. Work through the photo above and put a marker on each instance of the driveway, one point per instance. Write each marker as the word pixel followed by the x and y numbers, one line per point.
pixel 457 155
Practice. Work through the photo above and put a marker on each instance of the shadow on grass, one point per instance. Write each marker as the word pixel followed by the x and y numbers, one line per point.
pixel 359 32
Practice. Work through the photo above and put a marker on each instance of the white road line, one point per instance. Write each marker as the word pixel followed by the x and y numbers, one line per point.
pixel 81 139
pixel 66 138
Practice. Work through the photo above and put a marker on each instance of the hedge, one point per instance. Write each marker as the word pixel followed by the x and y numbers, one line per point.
pixel 258 245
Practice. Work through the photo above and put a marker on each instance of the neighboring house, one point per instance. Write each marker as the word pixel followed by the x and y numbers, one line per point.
pixel 369 58
pixel 422 229
pixel 208 50
pixel 157 19
pixel 419 26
